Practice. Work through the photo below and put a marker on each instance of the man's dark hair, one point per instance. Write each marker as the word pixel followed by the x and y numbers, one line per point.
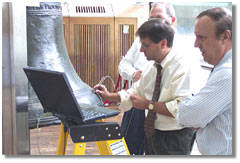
pixel 222 18
pixel 157 29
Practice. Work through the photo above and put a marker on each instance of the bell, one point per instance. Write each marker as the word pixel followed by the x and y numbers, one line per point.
pixel 46 49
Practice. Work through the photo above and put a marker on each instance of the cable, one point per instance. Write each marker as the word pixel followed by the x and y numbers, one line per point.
pixel 105 77
pixel 48 114
pixel 100 83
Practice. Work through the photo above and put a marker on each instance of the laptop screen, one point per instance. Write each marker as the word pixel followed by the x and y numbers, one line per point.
pixel 54 92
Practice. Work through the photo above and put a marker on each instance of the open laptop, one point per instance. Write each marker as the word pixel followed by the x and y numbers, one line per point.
pixel 56 95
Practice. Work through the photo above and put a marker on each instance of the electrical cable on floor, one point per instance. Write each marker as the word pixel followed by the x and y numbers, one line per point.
pixel 48 114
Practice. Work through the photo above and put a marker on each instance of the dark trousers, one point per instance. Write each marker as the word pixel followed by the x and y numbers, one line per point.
pixel 133 130
pixel 177 142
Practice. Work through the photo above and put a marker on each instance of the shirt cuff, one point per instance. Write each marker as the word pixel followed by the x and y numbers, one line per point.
pixel 126 103
pixel 172 107
pixel 131 72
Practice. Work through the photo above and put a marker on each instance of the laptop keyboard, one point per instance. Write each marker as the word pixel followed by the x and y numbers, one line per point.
pixel 91 113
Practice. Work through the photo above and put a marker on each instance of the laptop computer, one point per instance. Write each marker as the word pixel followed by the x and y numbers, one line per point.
pixel 56 95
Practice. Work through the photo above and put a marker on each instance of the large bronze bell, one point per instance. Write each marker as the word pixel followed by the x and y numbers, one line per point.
pixel 46 49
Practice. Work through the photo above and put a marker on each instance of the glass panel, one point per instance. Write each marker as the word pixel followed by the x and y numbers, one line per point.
pixel 186 14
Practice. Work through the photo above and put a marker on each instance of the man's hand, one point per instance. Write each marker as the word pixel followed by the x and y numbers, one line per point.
pixel 139 102
pixel 137 75
pixel 102 91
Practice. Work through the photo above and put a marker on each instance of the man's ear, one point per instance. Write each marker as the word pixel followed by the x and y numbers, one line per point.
pixel 226 35
pixel 163 43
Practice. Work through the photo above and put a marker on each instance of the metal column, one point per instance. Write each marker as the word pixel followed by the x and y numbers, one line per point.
pixel 15 129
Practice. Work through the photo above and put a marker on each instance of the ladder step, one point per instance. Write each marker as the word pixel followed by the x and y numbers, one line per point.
pixel 95 132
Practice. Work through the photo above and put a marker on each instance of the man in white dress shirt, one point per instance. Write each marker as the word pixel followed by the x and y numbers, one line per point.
pixel 156 37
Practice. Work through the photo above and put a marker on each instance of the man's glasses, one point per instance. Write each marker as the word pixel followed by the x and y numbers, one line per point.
pixel 146 45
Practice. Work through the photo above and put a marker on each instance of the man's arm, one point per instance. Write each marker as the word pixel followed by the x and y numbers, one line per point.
pixel 199 110
pixel 126 66
pixel 142 103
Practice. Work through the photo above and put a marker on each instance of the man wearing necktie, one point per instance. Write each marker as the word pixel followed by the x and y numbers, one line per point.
pixel 159 91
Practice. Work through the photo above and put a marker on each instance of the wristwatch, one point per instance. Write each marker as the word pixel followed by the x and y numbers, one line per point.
pixel 151 105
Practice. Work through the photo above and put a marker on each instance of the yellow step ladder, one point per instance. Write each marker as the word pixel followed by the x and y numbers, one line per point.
pixel 106 135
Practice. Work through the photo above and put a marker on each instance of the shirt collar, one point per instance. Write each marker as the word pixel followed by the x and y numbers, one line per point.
pixel 166 60
pixel 225 58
